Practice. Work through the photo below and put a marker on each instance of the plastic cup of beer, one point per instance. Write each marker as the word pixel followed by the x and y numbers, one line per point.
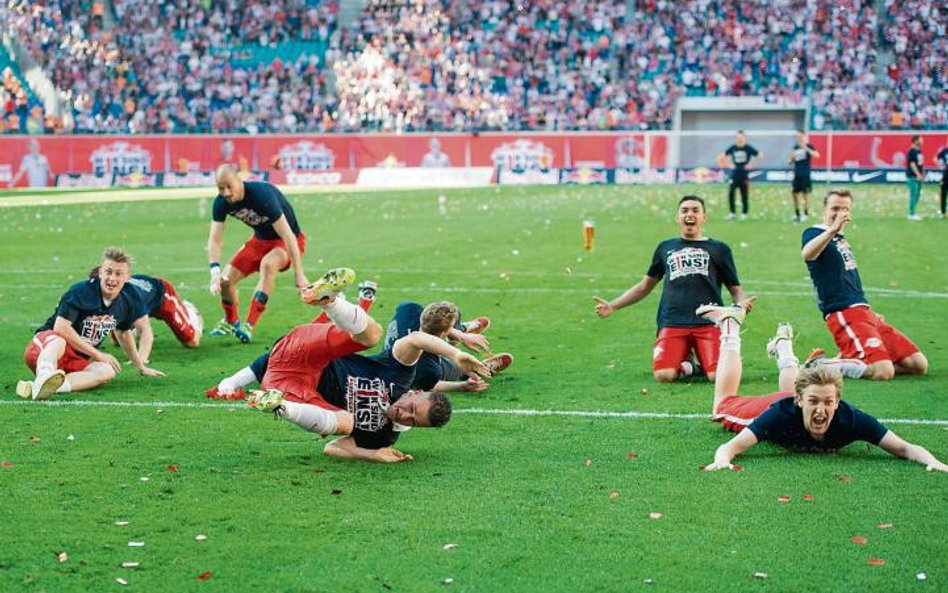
pixel 589 233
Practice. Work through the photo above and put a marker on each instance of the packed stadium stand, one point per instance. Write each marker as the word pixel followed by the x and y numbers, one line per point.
pixel 292 66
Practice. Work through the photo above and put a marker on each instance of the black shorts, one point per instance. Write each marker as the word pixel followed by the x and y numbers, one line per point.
pixel 802 185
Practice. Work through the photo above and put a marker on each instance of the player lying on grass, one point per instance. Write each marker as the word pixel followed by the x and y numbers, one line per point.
pixel 162 302
pixel 807 414
pixel 314 378
pixel 64 353
pixel 694 268
pixel 869 347
pixel 441 319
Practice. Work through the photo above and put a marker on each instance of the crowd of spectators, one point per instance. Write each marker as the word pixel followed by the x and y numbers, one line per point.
pixel 182 65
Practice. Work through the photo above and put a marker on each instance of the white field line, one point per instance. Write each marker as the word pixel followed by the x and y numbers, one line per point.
pixel 475 411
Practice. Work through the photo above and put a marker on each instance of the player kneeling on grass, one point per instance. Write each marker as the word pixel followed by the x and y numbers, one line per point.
pixel 807 414
pixel 441 319
pixel 314 378
pixel 64 352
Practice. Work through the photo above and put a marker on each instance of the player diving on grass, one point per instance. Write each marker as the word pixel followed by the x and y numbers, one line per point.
pixel 314 378
pixel 276 245
pixel 64 353
pixel 807 414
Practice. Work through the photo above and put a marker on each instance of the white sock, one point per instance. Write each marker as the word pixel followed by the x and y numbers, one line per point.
pixel 45 368
pixel 730 335
pixel 785 356
pixel 311 418
pixel 347 316
pixel 849 367
pixel 687 369
pixel 65 387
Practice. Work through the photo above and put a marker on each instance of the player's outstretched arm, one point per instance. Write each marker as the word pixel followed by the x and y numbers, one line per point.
pixel 896 445
pixel 476 342
pixel 407 350
pixel 127 341
pixel 282 228
pixel 817 244
pixel 473 384
pixel 346 448
pixel 731 449
pixel 633 295
pixel 146 338
pixel 215 240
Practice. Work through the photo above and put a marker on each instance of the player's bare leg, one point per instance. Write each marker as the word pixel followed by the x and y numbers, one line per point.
pixel 97 373
pixel 344 315
pixel 270 266
pixel 730 366
pixel 229 280
pixel 916 364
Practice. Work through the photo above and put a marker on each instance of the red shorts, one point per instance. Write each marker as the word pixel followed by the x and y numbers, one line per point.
pixel 297 361
pixel 248 258
pixel 71 361
pixel 737 411
pixel 674 344
pixel 173 312
pixel 860 333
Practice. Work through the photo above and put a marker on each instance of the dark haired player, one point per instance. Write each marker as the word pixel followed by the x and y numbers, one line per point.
pixel 694 268
pixel 742 156
pixel 277 243
pixel 314 378
pixel 914 176
pixel 943 202
pixel 800 158
pixel 65 353
pixel 869 347
pixel 807 413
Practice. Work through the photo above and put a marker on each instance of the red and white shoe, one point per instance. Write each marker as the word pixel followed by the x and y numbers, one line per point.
pixel 476 326
pixel 498 363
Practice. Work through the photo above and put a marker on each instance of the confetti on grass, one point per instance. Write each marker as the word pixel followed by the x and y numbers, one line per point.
pixel 858 539
pixel 654 516
pixel 449 547
pixel 760 575
pixel 204 575
pixel 783 499
pixel 613 495
pixel 884 526
pixel 876 561
pixel 808 497
pixel 172 468
pixel 200 538
pixel 62 557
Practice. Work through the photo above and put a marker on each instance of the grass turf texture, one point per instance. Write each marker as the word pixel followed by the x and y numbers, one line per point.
pixel 512 492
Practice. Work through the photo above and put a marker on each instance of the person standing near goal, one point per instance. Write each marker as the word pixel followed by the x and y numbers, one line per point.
pixel 800 158
pixel 742 156
pixel 276 245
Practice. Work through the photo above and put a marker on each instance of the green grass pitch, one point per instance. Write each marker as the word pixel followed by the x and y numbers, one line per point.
pixel 515 493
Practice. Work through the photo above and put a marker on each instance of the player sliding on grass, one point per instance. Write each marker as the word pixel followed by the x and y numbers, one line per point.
pixel 869 347
pixel 64 352
pixel 314 378
pixel 441 319
pixel 807 414
pixel 694 268
pixel 277 243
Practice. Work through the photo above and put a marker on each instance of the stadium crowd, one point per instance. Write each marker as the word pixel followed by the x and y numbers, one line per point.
pixel 184 65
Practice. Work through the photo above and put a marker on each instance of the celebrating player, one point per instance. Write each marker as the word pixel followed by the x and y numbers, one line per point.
pixel 800 158
pixel 64 352
pixel 694 268
pixel 742 156
pixel 314 378
pixel 277 243
pixel 869 347
pixel 914 176
pixel 440 319
pixel 807 414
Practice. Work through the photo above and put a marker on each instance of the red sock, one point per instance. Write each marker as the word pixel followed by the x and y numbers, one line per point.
pixel 256 309
pixel 230 312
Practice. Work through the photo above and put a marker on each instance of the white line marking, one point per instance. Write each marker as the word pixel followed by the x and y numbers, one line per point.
pixel 478 411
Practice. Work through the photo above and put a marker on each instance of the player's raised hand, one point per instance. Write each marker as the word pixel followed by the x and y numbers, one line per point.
pixel 471 365
pixel 840 222
pixel 603 307
pixel 748 304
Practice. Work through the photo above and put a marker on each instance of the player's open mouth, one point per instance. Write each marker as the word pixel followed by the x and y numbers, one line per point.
pixel 690 221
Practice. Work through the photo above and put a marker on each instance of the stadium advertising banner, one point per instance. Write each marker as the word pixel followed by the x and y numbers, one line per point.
pixel 303 159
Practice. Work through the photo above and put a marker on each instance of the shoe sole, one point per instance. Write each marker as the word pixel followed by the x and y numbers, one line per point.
pixel 332 282
pixel 50 385
pixel 482 324
pixel 254 400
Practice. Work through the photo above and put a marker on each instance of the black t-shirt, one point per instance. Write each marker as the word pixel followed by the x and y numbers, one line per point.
pixel 834 273
pixel 151 290
pixel 914 156
pixel 782 424
pixel 92 319
pixel 366 386
pixel 740 156
pixel 694 272
pixel 801 161
pixel 263 204
pixel 943 159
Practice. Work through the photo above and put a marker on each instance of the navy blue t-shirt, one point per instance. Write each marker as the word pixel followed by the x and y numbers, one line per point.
pixel 430 368
pixel 693 272
pixel 366 386
pixel 914 156
pixel 943 159
pixel 782 424
pixel 801 161
pixel 834 273
pixel 92 319
pixel 263 204
pixel 151 290
pixel 740 156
